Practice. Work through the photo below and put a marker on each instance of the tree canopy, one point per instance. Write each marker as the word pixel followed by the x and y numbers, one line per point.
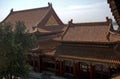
pixel 15 43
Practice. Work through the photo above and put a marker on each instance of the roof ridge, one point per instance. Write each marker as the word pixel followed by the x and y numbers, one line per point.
pixel 66 30
pixel 90 23
pixel 26 10
pixel 107 22
pixel 91 32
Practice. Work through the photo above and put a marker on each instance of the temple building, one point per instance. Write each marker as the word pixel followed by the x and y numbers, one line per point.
pixel 78 50
pixel 89 50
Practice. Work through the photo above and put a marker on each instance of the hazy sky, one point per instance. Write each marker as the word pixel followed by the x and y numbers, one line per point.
pixel 78 10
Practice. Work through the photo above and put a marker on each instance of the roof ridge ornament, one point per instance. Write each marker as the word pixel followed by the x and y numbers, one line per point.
pixel 11 10
pixel 109 20
pixel 49 4
pixel 70 22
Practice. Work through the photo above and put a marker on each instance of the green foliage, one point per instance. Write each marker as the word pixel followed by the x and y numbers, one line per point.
pixel 15 43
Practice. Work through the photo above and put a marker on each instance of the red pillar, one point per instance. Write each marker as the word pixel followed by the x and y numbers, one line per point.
pixel 91 71
pixel 101 71
pixel 109 72
pixel 63 63
pixel 70 67
pixel 39 63
pixel 58 70
pixel 77 68
pixel 64 67
pixel 74 70
pixel 42 64
pixel 61 68
pixel 38 60
pixel 33 62
pixel 55 67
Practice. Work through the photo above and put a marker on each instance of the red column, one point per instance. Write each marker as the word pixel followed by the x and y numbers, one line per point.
pixel 64 67
pixel 33 62
pixel 109 72
pixel 70 67
pixel 39 63
pixel 91 71
pixel 55 67
pixel 74 70
pixel 60 68
pixel 77 68
pixel 63 64
pixel 101 71
pixel 43 64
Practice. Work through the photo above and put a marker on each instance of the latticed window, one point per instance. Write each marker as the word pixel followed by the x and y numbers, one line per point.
pixel 84 67
pixel 98 67
pixel 105 69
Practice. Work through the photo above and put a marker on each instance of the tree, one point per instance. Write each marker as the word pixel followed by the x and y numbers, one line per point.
pixel 15 43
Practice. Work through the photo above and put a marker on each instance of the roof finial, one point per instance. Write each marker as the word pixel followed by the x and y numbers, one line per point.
pixel 11 10
pixel 108 1
pixel 71 21
pixel 49 4
pixel 109 20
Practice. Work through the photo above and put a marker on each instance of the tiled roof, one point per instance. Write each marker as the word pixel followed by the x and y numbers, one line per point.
pixel 33 17
pixel 45 30
pixel 115 37
pixel 30 17
pixel 53 28
pixel 93 41
pixel 88 32
pixel 115 9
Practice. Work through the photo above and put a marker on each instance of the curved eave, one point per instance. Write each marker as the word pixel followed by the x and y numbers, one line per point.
pixel 90 42
pixel 114 10
pixel 6 17
pixel 89 59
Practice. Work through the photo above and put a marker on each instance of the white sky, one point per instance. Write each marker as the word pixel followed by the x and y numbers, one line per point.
pixel 78 10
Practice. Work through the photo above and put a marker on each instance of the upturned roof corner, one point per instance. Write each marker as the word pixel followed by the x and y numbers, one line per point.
pixel 49 4
pixel 11 10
